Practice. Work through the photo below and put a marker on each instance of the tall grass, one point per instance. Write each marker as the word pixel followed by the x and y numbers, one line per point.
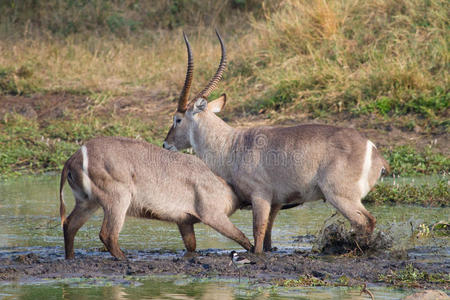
pixel 62 18
pixel 156 61
pixel 347 55
pixel 115 46
pixel 384 57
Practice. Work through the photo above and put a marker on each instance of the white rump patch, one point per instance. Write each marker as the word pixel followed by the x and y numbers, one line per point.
pixel 85 180
pixel 363 181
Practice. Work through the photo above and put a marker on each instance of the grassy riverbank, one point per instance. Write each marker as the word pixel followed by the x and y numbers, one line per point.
pixel 29 146
pixel 385 58
pixel 68 70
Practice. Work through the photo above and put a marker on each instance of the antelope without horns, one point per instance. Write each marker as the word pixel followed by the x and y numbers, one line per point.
pixel 130 177
pixel 271 167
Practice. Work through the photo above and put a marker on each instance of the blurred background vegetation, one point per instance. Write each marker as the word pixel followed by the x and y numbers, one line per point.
pixel 382 60
pixel 383 56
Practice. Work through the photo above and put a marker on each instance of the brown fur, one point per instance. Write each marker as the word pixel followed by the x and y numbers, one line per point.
pixel 271 167
pixel 135 178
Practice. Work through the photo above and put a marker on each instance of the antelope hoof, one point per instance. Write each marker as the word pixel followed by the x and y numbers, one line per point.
pixel 120 258
pixel 272 249
pixel 190 254
pixel 257 252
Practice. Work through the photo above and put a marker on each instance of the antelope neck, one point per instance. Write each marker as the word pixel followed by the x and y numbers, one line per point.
pixel 211 138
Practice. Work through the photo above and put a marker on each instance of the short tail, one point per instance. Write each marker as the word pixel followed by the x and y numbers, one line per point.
pixel 62 205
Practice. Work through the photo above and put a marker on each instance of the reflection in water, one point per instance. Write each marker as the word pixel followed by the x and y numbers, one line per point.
pixel 29 222
pixel 29 217
pixel 158 288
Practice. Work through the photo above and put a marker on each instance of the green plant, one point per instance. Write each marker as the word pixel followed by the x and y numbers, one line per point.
pixel 305 280
pixel 26 146
pixel 410 276
pixel 384 105
pixel 283 93
pixel 312 281
pixel 407 161
pixel 19 79
pixel 426 194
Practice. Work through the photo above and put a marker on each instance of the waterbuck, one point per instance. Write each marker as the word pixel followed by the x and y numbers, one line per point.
pixel 269 167
pixel 130 177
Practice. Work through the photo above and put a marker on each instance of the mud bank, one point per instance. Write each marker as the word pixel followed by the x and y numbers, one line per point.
pixel 269 268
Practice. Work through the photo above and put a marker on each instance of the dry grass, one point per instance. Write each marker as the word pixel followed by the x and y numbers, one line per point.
pixel 315 56
pixel 345 53
pixel 113 46
pixel 108 64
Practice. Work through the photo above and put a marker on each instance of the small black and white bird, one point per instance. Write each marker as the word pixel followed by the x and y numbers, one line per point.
pixel 238 261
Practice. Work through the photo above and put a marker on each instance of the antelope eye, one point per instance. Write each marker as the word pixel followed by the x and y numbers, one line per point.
pixel 176 121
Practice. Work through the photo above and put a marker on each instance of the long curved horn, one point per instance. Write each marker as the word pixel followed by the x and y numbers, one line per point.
pixel 184 96
pixel 212 84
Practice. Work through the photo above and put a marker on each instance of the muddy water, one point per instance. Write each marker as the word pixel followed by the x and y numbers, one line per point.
pixel 29 222
pixel 29 217
pixel 179 288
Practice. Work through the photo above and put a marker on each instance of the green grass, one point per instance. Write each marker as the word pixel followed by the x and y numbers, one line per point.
pixel 305 280
pixel 385 58
pixel 427 106
pixel 26 146
pixel 412 277
pixel 30 145
pixel 437 194
pixel 312 281
pixel 279 96
pixel 407 161
pixel 17 81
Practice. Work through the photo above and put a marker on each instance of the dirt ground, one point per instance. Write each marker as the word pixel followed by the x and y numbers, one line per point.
pixel 268 268
pixel 155 108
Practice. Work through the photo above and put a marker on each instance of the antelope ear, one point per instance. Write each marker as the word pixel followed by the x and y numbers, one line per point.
pixel 218 104
pixel 200 105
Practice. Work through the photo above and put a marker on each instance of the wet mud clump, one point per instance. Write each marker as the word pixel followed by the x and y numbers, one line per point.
pixel 336 237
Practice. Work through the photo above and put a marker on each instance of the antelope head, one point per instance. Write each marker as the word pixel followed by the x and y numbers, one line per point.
pixel 189 114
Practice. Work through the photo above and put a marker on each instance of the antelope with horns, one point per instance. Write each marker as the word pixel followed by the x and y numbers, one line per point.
pixel 130 177
pixel 270 167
